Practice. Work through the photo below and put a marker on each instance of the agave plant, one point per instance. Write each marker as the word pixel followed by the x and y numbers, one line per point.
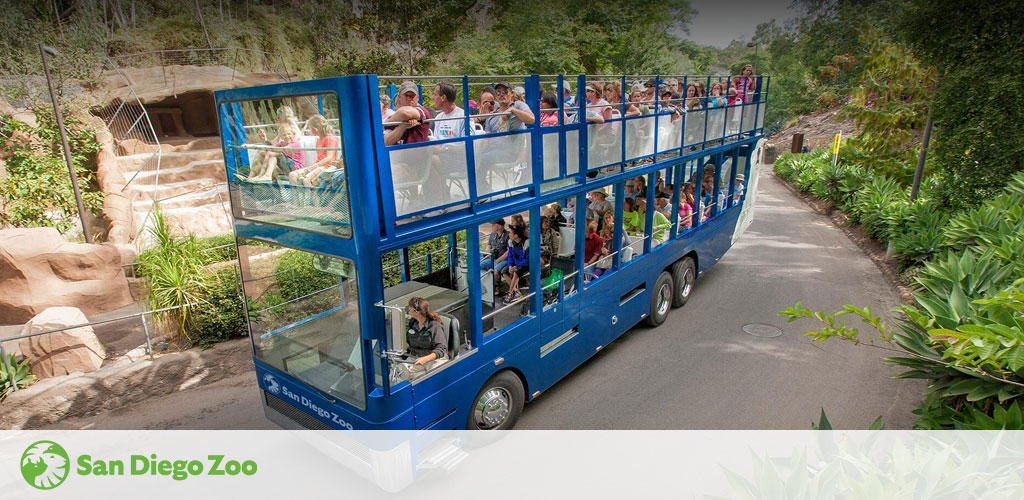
pixel 875 203
pixel 14 374
pixel 918 233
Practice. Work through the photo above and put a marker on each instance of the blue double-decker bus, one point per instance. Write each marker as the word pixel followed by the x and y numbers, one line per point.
pixel 435 252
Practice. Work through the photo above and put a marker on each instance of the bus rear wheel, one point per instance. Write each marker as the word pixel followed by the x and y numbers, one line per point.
pixel 684 275
pixel 661 299
pixel 498 404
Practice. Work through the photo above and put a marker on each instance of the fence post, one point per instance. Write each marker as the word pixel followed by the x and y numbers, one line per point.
pixel 7 365
pixel 149 345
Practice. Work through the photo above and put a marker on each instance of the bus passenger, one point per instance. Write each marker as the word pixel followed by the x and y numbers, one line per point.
pixel 632 220
pixel 598 109
pixel 549 276
pixel 326 152
pixel 413 127
pixel 593 246
pixel 738 187
pixel 445 124
pixel 692 101
pixel 385 108
pixel 715 99
pixel 519 221
pixel 516 114
pixel 283 161
pixel 555 214
pixel 746 85
pixel 518 262
pixel 660 223
pixel 427 340
pixel 637 104
pixel 686 206
pixel 613 94
pixel 497 247
pixel 599 204
pixel 549 110
pixel 550 239
pixel 568 99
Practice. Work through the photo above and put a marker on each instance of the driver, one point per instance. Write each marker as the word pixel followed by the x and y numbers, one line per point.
pixel 426 338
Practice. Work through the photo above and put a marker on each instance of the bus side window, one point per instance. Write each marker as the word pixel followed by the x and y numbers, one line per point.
pixel 504 270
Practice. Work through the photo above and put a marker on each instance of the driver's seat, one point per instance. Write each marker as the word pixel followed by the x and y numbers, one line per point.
pixel 451 325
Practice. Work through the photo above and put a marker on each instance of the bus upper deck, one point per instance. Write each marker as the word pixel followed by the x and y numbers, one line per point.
pixel 349 209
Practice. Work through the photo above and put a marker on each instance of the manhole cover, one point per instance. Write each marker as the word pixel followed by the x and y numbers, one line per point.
pixel 759 330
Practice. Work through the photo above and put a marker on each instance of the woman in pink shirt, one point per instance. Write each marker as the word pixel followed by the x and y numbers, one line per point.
pixel 746 84
pixel 286 159
pixel 326 153
pixel 549 110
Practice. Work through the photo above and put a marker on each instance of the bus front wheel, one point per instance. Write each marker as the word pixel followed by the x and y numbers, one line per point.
pixel 498 404
pixel 684 274
pixel 661 299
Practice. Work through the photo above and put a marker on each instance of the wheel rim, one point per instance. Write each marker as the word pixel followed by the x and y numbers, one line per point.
pixel 664 299
pixel 687 287
pixel 492 408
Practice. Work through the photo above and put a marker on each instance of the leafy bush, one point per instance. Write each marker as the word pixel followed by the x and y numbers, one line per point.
pixel 296 276
pixel 875 204
pixel 223 316
pixel 219 248
pixel 37 190
pixel 174 275
pixel 17 376
pixel 918 233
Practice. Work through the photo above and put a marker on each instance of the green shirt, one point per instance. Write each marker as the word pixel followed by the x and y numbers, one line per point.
pixel 661 224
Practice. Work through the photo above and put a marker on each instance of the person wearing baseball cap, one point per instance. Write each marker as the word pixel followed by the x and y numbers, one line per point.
pixel 517 115
pixel 497 248
pixel 738 188
pixel 412 116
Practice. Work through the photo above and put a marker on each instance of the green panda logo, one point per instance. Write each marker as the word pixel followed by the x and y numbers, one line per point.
pixel 44 465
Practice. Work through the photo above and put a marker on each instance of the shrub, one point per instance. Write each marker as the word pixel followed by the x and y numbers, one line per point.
pixel 174 275
pixel 17 376
pixel 219 248
pixel 918 233
pixel 297 277
pixel 875 205
pixel 223 316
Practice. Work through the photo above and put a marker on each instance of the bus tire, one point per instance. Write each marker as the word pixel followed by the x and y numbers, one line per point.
pixel 661 299
pixel 684 275
pixel 498 404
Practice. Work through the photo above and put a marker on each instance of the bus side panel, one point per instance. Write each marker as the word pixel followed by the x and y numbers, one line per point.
pixel 620 301
pixel 715 238
pixel 449 389
pixel 296 394
pixel 523 359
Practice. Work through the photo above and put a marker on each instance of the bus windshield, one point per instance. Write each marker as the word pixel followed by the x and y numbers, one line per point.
pixel 303 313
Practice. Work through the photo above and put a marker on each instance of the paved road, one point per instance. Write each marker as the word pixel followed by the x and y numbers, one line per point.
pixel 697 371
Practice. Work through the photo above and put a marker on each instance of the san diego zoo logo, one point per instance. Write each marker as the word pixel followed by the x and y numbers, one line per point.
pixel 44 465
pixel 271 382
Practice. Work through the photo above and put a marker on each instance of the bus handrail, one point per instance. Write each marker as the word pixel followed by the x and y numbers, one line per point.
pixel 510 304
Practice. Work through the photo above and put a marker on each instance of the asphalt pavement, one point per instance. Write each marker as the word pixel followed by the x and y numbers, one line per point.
pixel 699 370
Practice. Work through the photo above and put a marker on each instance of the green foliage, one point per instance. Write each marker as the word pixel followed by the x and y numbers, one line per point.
pixel 966 332
pixel 223 316
pixel 875 205
pixel 888 106
pixel 16 376
pixel 37 189
pixel 296 276
pixel 174 276
pixel 917 233
pixel 979 103
pixel 218 248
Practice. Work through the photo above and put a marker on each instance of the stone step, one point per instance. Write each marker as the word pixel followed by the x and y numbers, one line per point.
pixel 210 195
pixel 206 220
pixel 132 163
pixel 134 146
pixel 165 190
pixel 201 169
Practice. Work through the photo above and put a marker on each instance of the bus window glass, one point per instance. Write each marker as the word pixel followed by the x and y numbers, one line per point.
pixel 725 181
pixel 289 166
pixel 599 242
pixel 502 162
pixel 304 316
pixel 687 203
pixel 505 271
pixel 422 286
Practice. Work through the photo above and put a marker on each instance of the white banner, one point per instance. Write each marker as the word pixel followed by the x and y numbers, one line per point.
pixel 515 465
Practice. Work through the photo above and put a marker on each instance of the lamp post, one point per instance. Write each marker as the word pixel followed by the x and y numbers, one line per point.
pixel 755 46
pixel 44 51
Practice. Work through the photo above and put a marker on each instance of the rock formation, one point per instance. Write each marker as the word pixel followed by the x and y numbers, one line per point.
pixel 38 270
pixel 63 352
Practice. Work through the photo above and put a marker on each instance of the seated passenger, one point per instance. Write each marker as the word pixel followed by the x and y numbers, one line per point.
pixel 446 124
pixel 284 160
pixel 692 100
pixel 686 206
pixel 426 338
pixel 661 205
pixel 715 99
pixel 599 204
pixel 613 95
pixel 568 99
pixel 549 110
pixel 631 219
pixel 630 189
pixel 515 113
pixel 555 214
pixel 518 263
pixel 660 223
pixel 385 108
pixel 413 127
pixel 737 190
pixel 593 247
pixel 746 84
pixel 637 103
pixel 497 247
pixel 550 239
pixel 326 152
pixel 597 108
pixel 519 221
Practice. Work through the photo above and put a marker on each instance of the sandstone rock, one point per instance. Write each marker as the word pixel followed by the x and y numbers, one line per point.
pixel 64 352
pixel 38 270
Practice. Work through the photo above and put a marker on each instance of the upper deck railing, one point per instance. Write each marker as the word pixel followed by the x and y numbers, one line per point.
pixel 470 162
